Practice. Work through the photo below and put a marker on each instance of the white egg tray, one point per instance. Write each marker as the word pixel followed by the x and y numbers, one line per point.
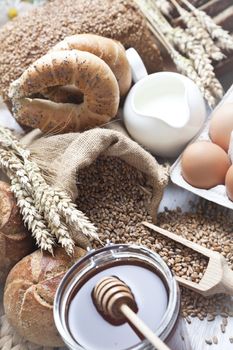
pixel 216 194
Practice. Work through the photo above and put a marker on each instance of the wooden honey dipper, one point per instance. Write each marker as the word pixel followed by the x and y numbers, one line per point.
pixel 115 302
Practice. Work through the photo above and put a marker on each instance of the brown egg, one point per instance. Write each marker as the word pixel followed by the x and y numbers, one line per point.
pixel 221 125
pixel 229 183
pixel 204 164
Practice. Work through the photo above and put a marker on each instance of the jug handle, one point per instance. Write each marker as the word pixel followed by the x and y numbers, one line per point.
pixel 137 66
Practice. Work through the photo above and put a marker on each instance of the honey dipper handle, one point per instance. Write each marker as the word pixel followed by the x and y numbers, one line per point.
pixel 143 328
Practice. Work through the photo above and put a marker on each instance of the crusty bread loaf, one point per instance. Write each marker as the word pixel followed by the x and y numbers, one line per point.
pixel 15 240
pixel 29 294
pixel 89 73
pixel 28 37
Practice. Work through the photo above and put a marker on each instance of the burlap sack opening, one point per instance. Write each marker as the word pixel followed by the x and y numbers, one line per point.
pixel 62 156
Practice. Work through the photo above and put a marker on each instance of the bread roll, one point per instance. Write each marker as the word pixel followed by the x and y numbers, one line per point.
pixel 29 294
pixel 15 240
pixel 89 73
pixel 28 37
pixel 110 51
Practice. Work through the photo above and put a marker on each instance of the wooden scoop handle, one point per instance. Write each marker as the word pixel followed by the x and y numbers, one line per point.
pixel 143 328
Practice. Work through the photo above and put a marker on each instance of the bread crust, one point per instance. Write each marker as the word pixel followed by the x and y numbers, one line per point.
pixel 29 294
pixel 89 73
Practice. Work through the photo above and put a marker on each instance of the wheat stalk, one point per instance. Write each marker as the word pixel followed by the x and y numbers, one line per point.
pixel 224 39
pixel 196 29
pixel 56 207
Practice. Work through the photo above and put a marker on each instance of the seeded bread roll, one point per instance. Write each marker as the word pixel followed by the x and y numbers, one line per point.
pixel 29 294
pixel 15 240
pixel 110 51
pixel 28 37
pixel 89 73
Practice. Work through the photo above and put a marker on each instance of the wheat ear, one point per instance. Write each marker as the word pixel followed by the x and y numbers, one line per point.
pixel 224 39
pixel 196 29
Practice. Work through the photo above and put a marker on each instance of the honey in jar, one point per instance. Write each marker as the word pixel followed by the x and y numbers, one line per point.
pixel 155 290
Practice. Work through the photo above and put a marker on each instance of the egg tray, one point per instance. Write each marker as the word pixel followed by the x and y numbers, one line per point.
pixel 215 194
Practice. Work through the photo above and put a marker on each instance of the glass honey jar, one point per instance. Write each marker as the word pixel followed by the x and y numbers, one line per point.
pixel 155 290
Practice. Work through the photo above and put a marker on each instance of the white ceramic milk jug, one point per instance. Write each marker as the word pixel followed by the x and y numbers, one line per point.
pixel 163 111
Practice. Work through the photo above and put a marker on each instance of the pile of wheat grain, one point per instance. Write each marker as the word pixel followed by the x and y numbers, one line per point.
pixel 114 196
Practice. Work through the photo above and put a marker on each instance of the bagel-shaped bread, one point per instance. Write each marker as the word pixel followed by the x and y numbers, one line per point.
pixel 109 50
pixel 87 72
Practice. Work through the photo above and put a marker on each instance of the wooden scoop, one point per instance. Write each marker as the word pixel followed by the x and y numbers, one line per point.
pixel 218 277
pixel 115 302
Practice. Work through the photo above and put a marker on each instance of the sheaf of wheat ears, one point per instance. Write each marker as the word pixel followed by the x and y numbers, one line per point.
pixel 31 217
pixel 72 216
pixel 22 188
pixel 40 230
pixel 224 39
pixel 195 28
pixel 63 205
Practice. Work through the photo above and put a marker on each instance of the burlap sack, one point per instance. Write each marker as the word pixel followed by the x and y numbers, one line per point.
pixel 62 156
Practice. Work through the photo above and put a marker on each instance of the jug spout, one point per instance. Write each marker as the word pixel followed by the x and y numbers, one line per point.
pixel 163 100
